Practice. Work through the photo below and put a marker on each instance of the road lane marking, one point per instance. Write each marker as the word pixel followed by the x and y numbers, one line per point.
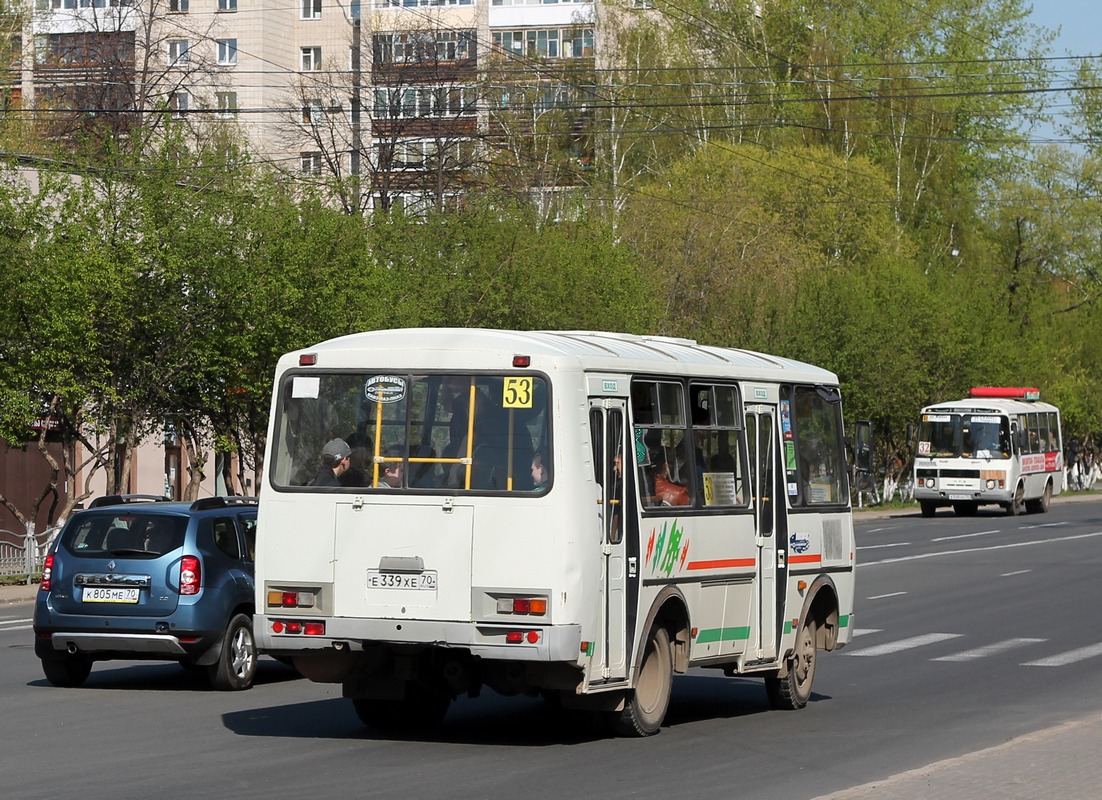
pixel 940 553
pixel 882 596
pixel 14 621
pixel 1042 525
pixel 905 644
pixel 874 546
pixel 1018 572
pixel 1070 657
pixel 989 650
pixel 962 536
pixel 864 631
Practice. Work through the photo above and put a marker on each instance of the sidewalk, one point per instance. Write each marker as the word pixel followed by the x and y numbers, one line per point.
pixel 18 594
pixel 1064 762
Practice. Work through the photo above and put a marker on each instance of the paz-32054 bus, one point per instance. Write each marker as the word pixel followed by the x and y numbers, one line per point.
pixel 579 515
pixel 999 446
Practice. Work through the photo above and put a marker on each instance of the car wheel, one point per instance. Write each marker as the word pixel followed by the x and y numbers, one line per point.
pixel 236 666
pixel 67 670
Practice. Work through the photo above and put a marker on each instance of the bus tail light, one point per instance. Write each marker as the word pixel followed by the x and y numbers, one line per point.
pixel 534 606
pixel 290 599
pixel 519 637
pixel 191 575
pixel 296 627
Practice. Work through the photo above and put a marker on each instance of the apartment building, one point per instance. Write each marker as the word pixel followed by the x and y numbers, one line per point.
pixel 389 101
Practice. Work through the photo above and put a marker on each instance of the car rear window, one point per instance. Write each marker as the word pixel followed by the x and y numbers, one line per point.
pixel 126 533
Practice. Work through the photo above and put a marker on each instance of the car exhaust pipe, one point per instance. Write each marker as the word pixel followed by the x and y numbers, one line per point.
pixel 72 648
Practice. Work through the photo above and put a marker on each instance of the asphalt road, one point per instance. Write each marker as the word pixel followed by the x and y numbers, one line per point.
pixel 971 632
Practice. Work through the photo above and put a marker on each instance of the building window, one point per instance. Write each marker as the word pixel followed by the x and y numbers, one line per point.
pixel 177 6
pixel 415 3
pixel 226 104
pixel 311 9
pixel 227 5
pixel 178 103
pixel 311 59
pixel 312 112
pixel 178 52
pixel 422 46
pixel 227 52
pixel 311 163
pixel 546 42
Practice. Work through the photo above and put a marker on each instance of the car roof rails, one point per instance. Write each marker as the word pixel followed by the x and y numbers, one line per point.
pixel 203 503
pixel 120 499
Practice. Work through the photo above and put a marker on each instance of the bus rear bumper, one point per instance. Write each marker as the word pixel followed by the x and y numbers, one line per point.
pixel 546 643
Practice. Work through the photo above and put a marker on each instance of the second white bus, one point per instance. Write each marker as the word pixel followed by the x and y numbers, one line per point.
pixel 578 515
pixel 999 446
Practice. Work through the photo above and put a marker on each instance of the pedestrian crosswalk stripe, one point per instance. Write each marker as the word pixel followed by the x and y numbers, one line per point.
pixel 1070 657
pixel 905 644
pixel 989 650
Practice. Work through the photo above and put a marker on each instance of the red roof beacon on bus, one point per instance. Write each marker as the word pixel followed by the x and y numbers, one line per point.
pixel 1029 394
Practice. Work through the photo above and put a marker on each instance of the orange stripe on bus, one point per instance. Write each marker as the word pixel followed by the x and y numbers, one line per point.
pixel 804 559
pixel 723 562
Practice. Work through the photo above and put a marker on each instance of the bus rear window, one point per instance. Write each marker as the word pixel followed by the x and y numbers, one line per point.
pixel 453 432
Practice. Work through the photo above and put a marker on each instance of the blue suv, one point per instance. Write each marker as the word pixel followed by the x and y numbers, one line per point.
pixel 134 577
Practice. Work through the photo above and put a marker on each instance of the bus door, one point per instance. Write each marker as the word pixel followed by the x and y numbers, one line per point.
pixel 761 440
pixel 620 559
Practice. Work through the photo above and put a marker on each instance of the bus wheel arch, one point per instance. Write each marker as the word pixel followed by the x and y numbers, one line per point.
pixel 671 611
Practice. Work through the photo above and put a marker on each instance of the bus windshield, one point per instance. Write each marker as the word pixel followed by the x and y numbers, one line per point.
pixel 964 435
pixel 454 432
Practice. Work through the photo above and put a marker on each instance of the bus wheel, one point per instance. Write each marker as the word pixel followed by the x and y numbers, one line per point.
pixel 421 710
pixel 927 507
pixel 1017 505
pixel 794 690
pixel 1041 504
pixel 646 704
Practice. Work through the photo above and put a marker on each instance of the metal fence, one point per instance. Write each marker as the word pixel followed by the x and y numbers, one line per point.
pixel 23 554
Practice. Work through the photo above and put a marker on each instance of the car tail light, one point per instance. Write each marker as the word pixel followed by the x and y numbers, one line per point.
pixel 190 575
pixel 47 573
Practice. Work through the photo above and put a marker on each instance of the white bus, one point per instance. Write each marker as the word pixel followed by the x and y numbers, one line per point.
pixel 574 514
pixel 998 446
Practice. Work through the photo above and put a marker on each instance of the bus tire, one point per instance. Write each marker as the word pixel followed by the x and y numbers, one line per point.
pixel 646 705
pixel 1041 504
pixel 927 507
pixel 1016 507
pixel 792 692
pixel 420 711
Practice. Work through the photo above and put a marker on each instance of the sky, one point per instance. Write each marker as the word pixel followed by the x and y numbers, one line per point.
pixel 1080 33
pixel 1080 22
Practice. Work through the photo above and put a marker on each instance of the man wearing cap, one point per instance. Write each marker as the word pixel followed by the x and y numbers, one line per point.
pixel 336 458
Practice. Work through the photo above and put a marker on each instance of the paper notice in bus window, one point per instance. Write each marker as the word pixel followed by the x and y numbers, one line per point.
pixel 303 386
pixel 937 418
pixel 822 493
pixel 924 448
pixel 719 489
pixel 988 420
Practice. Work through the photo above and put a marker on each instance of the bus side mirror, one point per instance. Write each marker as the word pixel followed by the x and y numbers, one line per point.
pixel 862 446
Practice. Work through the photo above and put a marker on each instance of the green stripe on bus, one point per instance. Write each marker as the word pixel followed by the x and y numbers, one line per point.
pixel 843 621
pixel 723 635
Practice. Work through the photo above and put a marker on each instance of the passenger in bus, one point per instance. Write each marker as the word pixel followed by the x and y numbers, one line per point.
pixel 335 461
pixel 392 471
pixel 539 473
pixel 666 490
